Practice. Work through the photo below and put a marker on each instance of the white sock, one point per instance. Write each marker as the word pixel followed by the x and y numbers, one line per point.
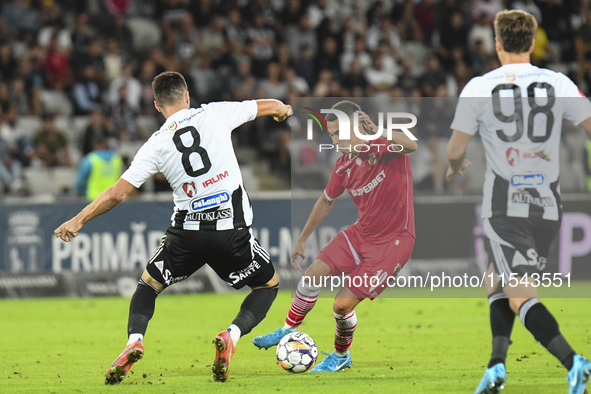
pixel 234 333
pixel 290 328
pixel 134 338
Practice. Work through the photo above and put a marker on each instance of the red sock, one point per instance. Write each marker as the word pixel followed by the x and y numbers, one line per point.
pixel 303 302
pixel 345 325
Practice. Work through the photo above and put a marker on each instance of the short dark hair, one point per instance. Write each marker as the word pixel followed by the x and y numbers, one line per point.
pixel 346 106
pixel 515 30
pixel 169 88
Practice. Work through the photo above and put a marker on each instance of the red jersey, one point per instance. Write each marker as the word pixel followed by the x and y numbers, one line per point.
pixel 380 183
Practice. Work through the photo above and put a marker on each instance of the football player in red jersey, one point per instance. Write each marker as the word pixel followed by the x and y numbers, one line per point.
pixel 378 177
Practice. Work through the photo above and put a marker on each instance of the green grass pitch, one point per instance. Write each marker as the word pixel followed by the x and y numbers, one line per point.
pixel 401 346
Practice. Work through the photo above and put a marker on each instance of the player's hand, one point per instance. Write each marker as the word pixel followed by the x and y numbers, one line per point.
pixel 298 250
pixel 68 230
pixel 451 173
pixel 286 114
pixel 367 123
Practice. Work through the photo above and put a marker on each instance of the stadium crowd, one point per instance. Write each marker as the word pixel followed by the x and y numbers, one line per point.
pixel 74 72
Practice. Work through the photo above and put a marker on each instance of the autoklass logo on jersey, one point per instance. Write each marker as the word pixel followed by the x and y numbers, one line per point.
pixel 529 180
pixel 213 200
pixel 209 216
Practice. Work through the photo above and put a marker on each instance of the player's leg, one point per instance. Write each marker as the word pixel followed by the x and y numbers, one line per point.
pixel 340 250
pixel 501 324
pixel 367 280
pixel 240 260
pixel 345 325
pixel 141 310
pixel 170 263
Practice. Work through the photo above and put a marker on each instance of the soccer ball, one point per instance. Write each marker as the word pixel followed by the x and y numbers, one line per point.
pixel 297 352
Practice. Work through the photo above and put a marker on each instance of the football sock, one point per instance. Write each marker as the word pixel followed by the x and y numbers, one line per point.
pixel 134 338
pixel 345 325
pixel 501 325
pixel 544 327
pixel 303 301
pixel 235 333
pixel 141 308
pixel 255 308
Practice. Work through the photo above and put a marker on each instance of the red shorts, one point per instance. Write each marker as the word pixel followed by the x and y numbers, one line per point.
pixel 350 253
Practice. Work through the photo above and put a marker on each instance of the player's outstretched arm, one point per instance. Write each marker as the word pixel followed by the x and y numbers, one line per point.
pixel 106 201
pixel 319 212
pixel 274 108
pixel 408 145
pixel 456 154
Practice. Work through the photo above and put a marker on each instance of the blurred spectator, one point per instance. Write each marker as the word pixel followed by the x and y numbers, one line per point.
pixel 480 59
pixel 117 7
pixel 490 8
pixel 19 15
pixel 304 65
pixel 529 6
pixel 455 35
pixel 8 64
pixel 433 78
pixel 358 54
pixel 95 59
pixel 263 39
pixel 186 39
pixel 330 57
pixel 583 39
pixel 273 86
pixel 132 85
pixel 98 170
pixel 322 88
pixel 56 66
pixel 96 129
pixel 15 149
pixel 123 116
pixel 243 84
pixel 55 28
pixel 300 35
pixel 379 77
pixel 80 37
pixel 147 74
pixel 483 31
pixel 51 145
pixel 18 96
pixel 293 11
pixel 113 60
pixel 354 77
pixel 383 31
pixel 212 43
pixel 234 32
pixel 296 83
pixel 86 92
pixel 425 15
pixel 318 11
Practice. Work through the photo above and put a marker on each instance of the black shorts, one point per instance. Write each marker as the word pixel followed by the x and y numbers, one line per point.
pixel 235 255
pixel 519 245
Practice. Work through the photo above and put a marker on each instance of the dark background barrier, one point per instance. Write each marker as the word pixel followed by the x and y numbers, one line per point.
pixel 109 253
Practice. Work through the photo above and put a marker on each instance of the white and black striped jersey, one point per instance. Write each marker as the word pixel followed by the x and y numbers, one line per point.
pixel 518 110
pixel 193 150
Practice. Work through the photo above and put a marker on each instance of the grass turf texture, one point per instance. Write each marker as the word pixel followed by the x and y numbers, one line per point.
pixel 401 345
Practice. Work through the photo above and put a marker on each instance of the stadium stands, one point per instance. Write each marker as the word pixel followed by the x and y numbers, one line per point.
pixel 236 50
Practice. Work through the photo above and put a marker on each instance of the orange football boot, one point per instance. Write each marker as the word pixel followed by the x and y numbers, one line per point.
pixel 120 367
pixel 224 349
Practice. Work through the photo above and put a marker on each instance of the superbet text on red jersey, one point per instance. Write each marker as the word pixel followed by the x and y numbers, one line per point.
pixel 380 183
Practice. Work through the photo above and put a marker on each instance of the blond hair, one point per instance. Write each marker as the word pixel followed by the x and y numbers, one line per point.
pixel 515 30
